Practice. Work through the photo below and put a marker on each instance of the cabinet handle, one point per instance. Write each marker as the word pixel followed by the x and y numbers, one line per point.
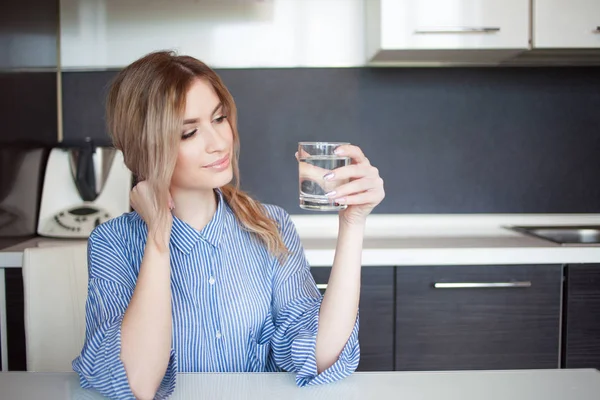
pixel 461 30
pixel 321 286
pixel 477 285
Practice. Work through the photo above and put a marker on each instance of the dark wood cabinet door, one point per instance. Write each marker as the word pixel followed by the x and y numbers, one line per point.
pixel 29 35
pixel 582 317
pixel 455 318
pixel 15 320
pixel 376 332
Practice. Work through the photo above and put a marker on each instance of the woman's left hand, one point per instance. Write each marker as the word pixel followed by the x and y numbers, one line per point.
pixel 365 189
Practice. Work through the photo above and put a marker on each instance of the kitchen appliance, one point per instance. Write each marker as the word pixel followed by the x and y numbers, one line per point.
pixel 579 235
pixel 84 186
pixel 21 171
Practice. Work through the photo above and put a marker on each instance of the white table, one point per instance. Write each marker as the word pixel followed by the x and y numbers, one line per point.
pixel 581 384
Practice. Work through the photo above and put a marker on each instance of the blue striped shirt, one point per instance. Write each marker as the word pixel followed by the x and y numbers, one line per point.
pixel 235 307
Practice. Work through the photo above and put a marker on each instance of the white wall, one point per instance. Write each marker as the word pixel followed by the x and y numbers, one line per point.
pixel 98 34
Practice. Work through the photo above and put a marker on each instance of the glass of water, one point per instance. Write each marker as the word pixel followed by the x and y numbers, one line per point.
pixel 317 159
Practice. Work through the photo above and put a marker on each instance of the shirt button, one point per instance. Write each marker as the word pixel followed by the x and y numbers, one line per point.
pixel 211 280
pixel 218 335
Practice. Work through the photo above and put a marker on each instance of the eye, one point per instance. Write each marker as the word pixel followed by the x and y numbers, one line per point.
pixel 189 134
pixel 219 120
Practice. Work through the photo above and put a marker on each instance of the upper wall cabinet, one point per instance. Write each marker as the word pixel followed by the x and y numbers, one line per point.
pixel 101 34
pixel 97 34
pixel 440 29
pixel 566 24
pixel 28 35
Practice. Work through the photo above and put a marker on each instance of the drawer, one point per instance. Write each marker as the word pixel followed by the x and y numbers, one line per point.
pixel 478 317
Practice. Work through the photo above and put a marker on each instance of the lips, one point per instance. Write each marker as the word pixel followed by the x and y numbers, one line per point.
pixel 220 163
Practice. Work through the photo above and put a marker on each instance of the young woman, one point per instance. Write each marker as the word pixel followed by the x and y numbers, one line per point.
pixel 201 277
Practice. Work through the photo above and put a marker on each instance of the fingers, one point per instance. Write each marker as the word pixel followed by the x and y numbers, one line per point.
pixel 365 189
pixel 354 152
pixel 142 197
pixel 369 197
pixel 353 171
pixel 312 172
pixel 357 186
pixel 303 154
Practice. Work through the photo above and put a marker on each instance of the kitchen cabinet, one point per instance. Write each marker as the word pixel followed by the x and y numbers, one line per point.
pixel 29 35
pixel 28 62
pixel 582 317
pixel 566 24
pixel 223 33
pixel 478 317
pixel 376 331
pixel 447 25
pixel 15 320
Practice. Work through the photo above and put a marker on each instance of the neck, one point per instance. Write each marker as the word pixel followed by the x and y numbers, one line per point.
pixel 194 207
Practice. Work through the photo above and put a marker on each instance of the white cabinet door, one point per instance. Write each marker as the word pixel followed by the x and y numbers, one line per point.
pixel 222 33
pixel 566 23
pixel 454 24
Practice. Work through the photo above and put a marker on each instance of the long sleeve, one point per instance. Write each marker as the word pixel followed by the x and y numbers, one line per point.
pixel 110 289
pixel 296 305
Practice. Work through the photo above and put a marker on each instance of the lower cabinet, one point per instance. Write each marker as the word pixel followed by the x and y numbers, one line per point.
pixel 581 341
pixel 478 317
pixel 376 333
pixel 15 320
pixel 417 318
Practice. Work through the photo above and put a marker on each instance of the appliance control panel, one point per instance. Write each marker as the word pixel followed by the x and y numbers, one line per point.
pixel 76 222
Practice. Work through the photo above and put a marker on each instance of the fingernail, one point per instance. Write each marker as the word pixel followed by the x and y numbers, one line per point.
pixel 331 194
pixel 338 151
pixel 341 200
pixel 328 176
pixel 296 155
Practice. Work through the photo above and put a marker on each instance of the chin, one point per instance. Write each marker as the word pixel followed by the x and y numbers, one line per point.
pixel 223 178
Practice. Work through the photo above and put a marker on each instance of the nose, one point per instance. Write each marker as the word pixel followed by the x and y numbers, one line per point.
pixel 216 142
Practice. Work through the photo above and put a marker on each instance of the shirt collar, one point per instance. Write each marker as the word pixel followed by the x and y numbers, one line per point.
pixel 184 237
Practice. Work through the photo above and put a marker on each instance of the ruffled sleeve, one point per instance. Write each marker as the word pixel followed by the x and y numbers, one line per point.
pixel 99 365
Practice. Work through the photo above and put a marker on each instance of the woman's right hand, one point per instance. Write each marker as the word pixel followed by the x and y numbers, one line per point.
pixel 142 201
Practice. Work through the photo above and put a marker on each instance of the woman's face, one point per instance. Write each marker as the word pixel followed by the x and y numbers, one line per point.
pixel 206 148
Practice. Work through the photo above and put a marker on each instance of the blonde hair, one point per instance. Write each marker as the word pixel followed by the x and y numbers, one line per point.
pixel 144 112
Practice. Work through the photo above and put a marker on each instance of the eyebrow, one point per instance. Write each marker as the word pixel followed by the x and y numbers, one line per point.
pixel 194 120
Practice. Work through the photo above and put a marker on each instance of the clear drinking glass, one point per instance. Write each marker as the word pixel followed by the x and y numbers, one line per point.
pixel 317 159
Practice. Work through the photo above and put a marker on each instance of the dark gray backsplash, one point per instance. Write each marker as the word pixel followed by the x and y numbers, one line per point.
pixel 446 140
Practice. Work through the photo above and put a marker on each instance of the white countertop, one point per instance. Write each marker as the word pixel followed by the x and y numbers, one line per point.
pixel 397 240
pixel 468 385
